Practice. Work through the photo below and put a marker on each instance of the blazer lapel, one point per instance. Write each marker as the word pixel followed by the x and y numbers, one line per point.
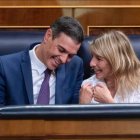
pixel 27 75
pixel 59 90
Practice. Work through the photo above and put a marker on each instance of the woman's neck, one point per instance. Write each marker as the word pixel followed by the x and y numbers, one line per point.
pixel 112 86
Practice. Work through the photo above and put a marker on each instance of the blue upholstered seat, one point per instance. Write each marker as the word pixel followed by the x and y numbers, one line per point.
pixel 15 41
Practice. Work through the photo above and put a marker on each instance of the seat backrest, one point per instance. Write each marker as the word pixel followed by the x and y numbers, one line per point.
pixel 86 56
pixel 15 41
pixel 135 40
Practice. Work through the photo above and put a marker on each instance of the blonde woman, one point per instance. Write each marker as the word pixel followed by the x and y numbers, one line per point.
pixel 117 71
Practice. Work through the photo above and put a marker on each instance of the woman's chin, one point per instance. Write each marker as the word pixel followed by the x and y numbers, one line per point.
pixel 99 77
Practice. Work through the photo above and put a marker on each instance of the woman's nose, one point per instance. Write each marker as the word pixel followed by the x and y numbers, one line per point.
pixel 93 62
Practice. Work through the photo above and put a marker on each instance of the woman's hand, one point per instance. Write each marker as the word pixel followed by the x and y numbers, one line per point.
pixel 86 94
pixel 102 94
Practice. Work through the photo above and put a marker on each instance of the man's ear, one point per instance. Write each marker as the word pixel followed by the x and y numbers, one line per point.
pixel 48 35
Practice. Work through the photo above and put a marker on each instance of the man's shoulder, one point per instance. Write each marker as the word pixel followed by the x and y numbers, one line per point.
pixel 75 63
pixel 12 57
pixel 15 54
pixel 76 59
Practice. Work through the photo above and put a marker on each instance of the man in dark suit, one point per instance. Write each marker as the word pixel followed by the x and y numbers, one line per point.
pixel 22 74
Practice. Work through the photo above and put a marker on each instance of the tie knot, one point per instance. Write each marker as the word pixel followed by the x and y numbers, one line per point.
pixel 47 73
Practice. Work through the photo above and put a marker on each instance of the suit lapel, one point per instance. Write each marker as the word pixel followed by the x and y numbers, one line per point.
pixel 59 90
pixel 27 75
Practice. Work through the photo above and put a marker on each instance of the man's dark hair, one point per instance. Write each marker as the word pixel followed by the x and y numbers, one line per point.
pixel 68 26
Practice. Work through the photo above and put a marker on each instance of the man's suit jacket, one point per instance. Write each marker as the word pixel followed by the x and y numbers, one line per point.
pixel 16 87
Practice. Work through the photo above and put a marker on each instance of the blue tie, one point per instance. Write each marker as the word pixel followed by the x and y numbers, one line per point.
pixel 44 93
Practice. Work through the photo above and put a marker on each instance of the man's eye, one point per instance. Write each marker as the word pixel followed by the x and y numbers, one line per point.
pixel 61 50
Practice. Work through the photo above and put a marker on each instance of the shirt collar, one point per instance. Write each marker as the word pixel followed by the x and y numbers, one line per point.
pixel 36 63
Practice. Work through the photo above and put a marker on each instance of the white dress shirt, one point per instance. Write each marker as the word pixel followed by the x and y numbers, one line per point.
pixel 129 97
pixel 38 75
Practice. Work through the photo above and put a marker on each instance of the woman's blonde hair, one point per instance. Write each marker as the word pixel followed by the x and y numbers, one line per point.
pixel 116 48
